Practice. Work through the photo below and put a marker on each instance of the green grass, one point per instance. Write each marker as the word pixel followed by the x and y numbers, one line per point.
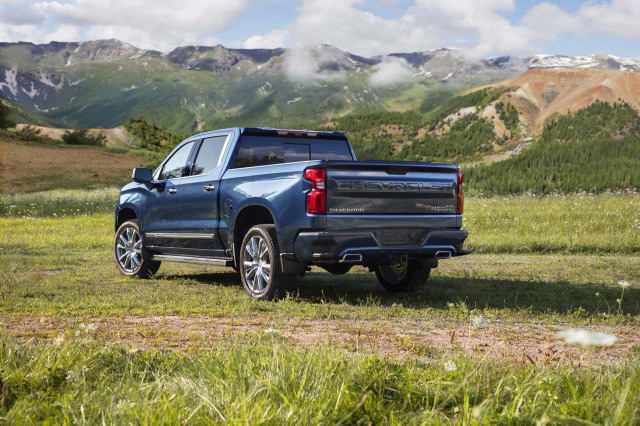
pixel 64 266
pixel 595 224
pixel 59 202
pixel 268 382
pixel 57 273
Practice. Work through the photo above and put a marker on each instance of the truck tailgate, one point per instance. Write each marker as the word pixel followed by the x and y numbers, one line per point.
pixel 391 188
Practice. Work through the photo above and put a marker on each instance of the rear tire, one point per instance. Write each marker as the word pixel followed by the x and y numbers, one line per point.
pixel 403 277
pixel 260 268
pixel 130 255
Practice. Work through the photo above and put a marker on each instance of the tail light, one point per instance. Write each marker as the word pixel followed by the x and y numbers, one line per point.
pixel 460 196
pixel 317 197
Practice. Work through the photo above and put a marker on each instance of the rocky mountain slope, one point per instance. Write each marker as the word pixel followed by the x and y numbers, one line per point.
pixel 101 83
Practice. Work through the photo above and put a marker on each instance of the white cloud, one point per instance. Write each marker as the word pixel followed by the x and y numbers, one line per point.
pixel 618 18
pixel 272 40
pixel 305 63
pixel 390 72
pixel 480 27
pixel 149 24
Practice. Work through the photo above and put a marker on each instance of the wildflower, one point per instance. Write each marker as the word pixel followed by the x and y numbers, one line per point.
pixel 478 321
pixel 450 366
pixel 587 338
pixel 623 283
pixel 58 340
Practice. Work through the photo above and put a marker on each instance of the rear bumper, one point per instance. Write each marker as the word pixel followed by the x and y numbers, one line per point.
pixel 365 247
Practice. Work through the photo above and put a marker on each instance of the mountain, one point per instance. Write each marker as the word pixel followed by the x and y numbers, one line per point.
pixel 101 83
pixel 541 95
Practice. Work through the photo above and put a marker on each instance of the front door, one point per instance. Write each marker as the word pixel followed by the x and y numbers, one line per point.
pixel 198 209
pixel 160 212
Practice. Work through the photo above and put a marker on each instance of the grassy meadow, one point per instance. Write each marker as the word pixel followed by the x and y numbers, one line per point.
pixel 480 344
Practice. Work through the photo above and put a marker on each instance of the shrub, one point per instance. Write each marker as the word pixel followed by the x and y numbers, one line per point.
pixel 28 133
pixel 83 137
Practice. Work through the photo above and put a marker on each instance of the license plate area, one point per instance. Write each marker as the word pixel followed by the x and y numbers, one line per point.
pixel 395 238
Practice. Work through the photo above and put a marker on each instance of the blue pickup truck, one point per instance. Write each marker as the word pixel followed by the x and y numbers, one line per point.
pixel 270 203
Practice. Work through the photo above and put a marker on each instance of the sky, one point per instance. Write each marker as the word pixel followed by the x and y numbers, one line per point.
pixel 478 28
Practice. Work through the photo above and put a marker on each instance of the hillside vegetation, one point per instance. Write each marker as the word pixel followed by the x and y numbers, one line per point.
pixel 594 149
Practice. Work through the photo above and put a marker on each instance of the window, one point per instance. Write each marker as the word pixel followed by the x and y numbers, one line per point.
pixel 296 152
pixel 330 149
pixel 262 150
pixel 209 155
pixel 177 165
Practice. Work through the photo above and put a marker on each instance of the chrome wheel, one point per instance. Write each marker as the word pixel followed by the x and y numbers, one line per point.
pixel 129 250
pixel 257 264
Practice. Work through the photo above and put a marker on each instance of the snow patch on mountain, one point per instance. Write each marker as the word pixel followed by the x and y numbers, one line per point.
pixel 10 82
pixel 33 92
pixel 45 79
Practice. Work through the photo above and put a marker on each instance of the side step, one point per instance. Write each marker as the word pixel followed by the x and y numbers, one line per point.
pixel 215 261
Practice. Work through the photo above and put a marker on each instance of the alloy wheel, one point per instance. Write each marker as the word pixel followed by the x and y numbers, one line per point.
pixel 129 250
pixel 257 264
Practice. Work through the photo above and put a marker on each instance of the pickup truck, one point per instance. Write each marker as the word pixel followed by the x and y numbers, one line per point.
pixel 270 203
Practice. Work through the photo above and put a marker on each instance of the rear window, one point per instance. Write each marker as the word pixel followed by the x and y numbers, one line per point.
pixel 264 150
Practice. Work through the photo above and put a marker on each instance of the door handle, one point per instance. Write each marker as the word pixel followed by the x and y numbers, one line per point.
pixel 209 187
pixel 172 191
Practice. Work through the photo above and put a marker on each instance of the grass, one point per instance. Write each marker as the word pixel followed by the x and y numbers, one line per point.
pixel 83 381
pixel 57 280
pixel 64 266
pixel 577 223
pixel 567 224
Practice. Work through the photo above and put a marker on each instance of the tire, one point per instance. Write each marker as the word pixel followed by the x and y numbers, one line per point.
pixel 131 258
pixel 404 277
pixel 261 273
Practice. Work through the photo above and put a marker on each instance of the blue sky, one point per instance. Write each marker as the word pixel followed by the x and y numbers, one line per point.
pixel 480 28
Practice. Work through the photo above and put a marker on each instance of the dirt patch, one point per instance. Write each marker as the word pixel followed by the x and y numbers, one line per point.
pixel 396 339
pixel 32 166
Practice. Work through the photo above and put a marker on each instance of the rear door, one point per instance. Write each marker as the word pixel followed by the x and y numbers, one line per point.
pixel 199 194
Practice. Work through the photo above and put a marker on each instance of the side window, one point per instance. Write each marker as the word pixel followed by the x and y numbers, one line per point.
pixel 209 155
pixel 177 165
pixel 259 151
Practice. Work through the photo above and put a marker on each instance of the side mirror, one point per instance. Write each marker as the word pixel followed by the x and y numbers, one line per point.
pixel 142 175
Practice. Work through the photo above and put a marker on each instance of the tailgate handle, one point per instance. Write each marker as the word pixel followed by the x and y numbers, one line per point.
pixel 396 170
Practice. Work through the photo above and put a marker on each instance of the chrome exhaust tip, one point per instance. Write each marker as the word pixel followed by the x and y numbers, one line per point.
pixel 443 254
pixel 351 258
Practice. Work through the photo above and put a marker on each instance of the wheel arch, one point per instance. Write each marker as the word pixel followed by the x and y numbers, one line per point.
pixel 124 214
pixel 248 217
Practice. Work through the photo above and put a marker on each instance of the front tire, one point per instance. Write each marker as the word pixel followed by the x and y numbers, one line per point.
pixel 260 269
pixel 403 277
pixel 129 253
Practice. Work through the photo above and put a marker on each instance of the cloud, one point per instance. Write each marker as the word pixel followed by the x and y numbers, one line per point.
pixel 273 39
pixel 306 63
pixel 391 71
pixel 618 18
pixel 481 27
pixel 150 24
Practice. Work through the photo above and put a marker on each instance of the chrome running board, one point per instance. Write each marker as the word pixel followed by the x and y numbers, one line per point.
pixel 193 259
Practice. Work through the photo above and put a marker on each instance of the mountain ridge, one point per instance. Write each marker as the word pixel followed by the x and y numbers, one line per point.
pixel 100 83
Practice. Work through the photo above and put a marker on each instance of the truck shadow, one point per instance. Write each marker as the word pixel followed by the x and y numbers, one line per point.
pixel 580 300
